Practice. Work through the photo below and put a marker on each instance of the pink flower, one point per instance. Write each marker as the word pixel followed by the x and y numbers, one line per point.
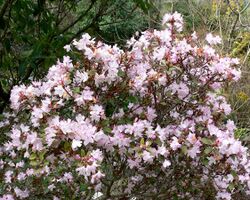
pixel 8 176
pixel 37 113
pixel 96 112
pixel 159 53
pixel 67 177
pixel 194 151
pixel 181 89
pixel 191 138
pixel 21 176
pixel 236 74
pixel 175 144
pixel 147 157
pixel 7 197
pixel 133 163
pixel 224 195
pixel 29 172
pixel 81 77
pixel 22 194
pixel 213 39
pixel 176 18
pixel 151 114
pixel 163 151
pixel 230 125
pixel 96 177
pixel 87 94
pixel 60 91
pixel 97 155
pixel 50 135
pixel 83 42
pixel 51 187
pixel 226 108
pixel 209 51
pixel 17 96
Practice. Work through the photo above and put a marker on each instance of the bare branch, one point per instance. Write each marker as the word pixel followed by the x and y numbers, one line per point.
pixel 5 7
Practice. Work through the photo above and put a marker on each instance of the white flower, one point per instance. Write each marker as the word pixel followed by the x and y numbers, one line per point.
pixel 97 195
pixel 166 163
pixel 76 144
pixel 96 112
pixel 194 36
pixel 175 144
pixel 21 193
pixel 97 155
pixel 213 39
pixel 147 157
pixel 81 77
pixel 67 47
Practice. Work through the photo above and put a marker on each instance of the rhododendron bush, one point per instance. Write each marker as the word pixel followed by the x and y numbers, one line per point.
pixel 148 122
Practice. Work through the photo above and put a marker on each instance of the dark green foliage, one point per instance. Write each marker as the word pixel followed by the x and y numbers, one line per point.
pixel 33 32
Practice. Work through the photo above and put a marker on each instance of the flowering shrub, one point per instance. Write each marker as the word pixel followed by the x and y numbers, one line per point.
pixel 148 122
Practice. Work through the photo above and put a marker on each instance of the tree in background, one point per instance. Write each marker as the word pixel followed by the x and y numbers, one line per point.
pixel 32 33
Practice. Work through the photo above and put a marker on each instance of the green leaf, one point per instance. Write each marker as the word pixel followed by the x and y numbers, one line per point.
pixel 33 156
pixel 207 141
pixel 175 197
pixel 83 187
pixel 46 163
pixel 208 150
pixel 234 174
pixel 132 99
pixel 27 53
pixel 205 161
pixel 82 153
pixel 121 73
pixel 67 146
pixel 33 163
pixel 231 186
pixel 107 130
pixel 184 149
pixel 142 141
pixel 41 155
pixel 105 122
pixel 77 90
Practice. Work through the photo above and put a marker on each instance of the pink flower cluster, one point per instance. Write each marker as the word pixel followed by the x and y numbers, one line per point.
pixel 146 120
